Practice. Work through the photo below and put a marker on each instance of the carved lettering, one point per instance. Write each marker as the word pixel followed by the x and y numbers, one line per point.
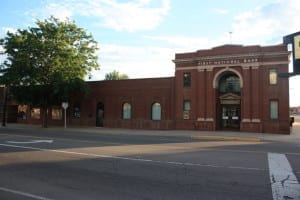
pixel 227 62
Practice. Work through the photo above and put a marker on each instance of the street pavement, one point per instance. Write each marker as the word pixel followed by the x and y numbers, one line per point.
pixel 101 163
pixel 294 135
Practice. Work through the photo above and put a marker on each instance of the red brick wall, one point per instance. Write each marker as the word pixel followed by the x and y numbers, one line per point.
pixel 140 93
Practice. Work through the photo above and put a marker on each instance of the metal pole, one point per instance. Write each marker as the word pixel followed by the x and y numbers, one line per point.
pixel 230 36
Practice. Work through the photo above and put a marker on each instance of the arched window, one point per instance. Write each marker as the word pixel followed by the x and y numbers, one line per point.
pixel 126 111
pixel 76 110
pixel 229 83
pixel 156 111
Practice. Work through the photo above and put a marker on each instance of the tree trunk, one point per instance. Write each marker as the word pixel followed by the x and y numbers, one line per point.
pixel 4 106
pixel 45 114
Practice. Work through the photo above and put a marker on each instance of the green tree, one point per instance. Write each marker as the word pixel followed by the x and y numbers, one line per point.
pixel 47 63
pixel 115 75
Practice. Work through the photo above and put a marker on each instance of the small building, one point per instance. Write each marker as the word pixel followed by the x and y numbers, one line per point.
pixel 230 87
pixel 295 110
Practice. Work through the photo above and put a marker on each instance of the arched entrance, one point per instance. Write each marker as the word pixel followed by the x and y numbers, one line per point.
pixel 229 101
pixel 100 114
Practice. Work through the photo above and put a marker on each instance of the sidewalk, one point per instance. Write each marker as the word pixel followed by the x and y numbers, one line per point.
pixel 203 135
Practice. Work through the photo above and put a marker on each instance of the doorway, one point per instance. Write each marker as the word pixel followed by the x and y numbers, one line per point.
pixel 229 101
pixel 230 119
pixel 100 114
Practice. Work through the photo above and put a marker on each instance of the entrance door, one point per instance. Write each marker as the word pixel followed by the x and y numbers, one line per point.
pixel 100 114
pixel 230 118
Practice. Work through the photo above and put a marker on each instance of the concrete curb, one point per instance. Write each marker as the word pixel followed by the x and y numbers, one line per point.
pixel 226 138
pixel 200 135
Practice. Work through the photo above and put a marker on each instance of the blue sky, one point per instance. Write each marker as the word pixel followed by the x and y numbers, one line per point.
pixel 140 37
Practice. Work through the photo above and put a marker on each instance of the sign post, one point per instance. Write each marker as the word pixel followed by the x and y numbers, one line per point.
pixel 294 40
pixel 65 105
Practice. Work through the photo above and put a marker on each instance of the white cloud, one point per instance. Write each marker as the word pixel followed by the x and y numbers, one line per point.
pixel 182 43
pixel 134 15
pixel 136 62
pixel 148 61
pixel 58 10
pixel 259 25
pixel 3 33
pixel 263 25
pixel 220 11
pixel 5 30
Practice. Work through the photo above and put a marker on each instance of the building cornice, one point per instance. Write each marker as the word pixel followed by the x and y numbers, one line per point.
pixel 231 57
pixel 254 65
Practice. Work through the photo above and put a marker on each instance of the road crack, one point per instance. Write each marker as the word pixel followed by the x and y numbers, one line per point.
pixel 283 181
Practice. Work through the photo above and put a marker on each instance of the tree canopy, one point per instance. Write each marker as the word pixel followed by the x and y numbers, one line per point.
pixel 45 64
pixel 115 75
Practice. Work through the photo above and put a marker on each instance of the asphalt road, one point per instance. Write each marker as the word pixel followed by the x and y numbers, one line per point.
pixel 58 164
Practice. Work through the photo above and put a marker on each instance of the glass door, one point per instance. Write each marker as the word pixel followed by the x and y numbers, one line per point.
pixel 230 118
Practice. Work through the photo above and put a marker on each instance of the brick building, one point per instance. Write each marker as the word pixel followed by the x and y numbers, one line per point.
pixel 230 87
pixel 233 87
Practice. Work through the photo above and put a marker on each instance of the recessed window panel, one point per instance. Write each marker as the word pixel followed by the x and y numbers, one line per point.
pixel 229 84
pixel 126 111
pixel 187 79
pixel 273 76
pixel 273 109
pixel 186 105
pixel 156 111
pixel 76 111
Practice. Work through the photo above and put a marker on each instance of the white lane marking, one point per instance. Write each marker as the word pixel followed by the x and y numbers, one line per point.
pixel 134 159
pixel 25 194
pixel 283 181
pixel 30 142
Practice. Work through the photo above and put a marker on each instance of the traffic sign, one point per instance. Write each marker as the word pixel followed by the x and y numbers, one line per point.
pixel 294 39
pixel 65 105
